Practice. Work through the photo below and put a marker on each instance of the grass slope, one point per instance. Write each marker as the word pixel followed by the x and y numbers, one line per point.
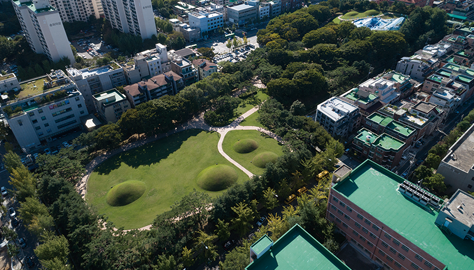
pixel 245 146
pixel 217 177
pixel 262 159
pixel 356 15
pixel 169 168
pixel 125 193
pixel 266 144
pixel 252 120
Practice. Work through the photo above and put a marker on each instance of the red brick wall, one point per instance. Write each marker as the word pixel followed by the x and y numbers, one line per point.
pixel 372 235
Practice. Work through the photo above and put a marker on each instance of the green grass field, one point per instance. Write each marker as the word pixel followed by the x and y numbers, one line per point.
pixel 251 102
pixel 356 15
pixel 217 177
pixel 266 144
pixel 336 20
pixel 252 121
pixel 169 168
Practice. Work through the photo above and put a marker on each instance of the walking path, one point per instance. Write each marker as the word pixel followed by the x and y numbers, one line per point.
pixel 194 123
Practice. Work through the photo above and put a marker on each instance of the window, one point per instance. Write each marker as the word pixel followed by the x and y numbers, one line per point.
pixel 469 186
pixel 418 257
pixel 405 248
pixel 378 260
pixel 370 244
pixel 350 209
pixel 353 241
pixel 366 251
pixel 401 256
pixel 40 133
pixel 389 258
pixel 396 242
pixel 40 111
pixel 340 212
pixel 79 106
pixel 43 118
pixel 365 230
pixel 414 266
pixel 77 98
pixel 360 216
pixel 367 222
pixel 37 128
pixel 333 207
pixel 31 113
pixel 375 227
pixel 20 123
pixel 342 204
pixel 347 217
pixel 46 125
pixel 344 225
pixel 338 220
pixel 393 250
pixel 384 244
pixel 381 253
pixel 388 236
pixel 355 233
pixel 373 235
pixel 362 239
pixel 428 264
pixel 331 215
pixel 357 225
pixel 335 199
pixel 397 264
pixel 34 121
pixel 82 112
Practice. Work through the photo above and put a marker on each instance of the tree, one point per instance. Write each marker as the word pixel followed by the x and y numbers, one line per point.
pixel 242 223
pixel 54 250
pixel 66 164
pixel 228 44
pixel 435 183
pixel 165 263
pixel 422 172
pixel 108 137
pixel 238 258
pixel 12 161
pixel 297 108
pixel 284 189
pixel 205 243
pixel 187 256
pixel 270 200
pixel 277 226
pixel 245 40
pixel 207 52
pixel 432 160
pixel 222 230
pixel 30 208
pixel 321 35
pixel 8 147
pixel 289 211
pixel 23 182
pixel 194 207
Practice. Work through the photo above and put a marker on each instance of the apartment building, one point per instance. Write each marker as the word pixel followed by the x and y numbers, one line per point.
pixel 9 82
pixel 464 57
pixel 365 100
pixel 457 166
pixel 296 249
pixel 91 81
pixel 275 8
pixel 379 123
pixel 148 63
pixel 110 105
pixel 242 14
pixel 403 114
pixel 131 16
pixel 43 108
pixel 190 34
pixel 183 8
pixel 383 149
pixel 206 21
pixel 71 11
pixel 185 69
pixel 396 223
pixel 338 117
pixel 290 5
pixel 204 67
pixel 43 29
pixel 445 99
pixel 264 10
pixel 158 86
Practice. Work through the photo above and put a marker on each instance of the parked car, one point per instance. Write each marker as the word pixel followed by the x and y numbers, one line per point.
pixel 12 212
pixel 15 222
pixel 261 220
pixel 47 151
pixel 4 192
pixel 30 262
pixel 418 162
pixel 65 144
pixel 290 199
pixel 228 245
pixel 404 175
pixel 22 242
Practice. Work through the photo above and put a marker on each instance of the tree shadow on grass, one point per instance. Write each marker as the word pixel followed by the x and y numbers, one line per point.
pixel 147 154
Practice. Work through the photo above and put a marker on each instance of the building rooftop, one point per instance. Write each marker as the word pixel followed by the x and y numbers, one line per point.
pixel 33 8
pixel 7 76
pixel 366 136
pixel 86 72
pixel 240 7
pixel 43 84
pixel 361 96
pixel 460 207
pixel 401 129
pixel 375 190
pixel 460 154
pixel 424 107
pixel 336 109
pixel 297 249
pixel 109 97
pixel 388 142
pixel 380 119
pixel 185 53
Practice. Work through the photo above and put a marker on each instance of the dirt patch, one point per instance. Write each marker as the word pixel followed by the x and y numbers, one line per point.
pixel 4 259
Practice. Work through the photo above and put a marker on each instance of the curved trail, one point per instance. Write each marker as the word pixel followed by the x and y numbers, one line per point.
pixel 195 123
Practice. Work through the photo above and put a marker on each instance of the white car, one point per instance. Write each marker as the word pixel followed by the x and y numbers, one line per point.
pixel 4 191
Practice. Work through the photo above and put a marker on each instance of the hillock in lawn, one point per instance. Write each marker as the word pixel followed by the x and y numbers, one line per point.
pixel 245 146
pixel 125 193
pixel 169 168
pixel 265 144
pixel 217 177
pixel 356 15
pixel 261 160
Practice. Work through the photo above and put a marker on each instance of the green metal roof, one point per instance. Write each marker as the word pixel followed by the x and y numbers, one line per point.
pixel 297 249
pixel 366 136
pixel 374 189
pixel 457 16
pixel 261 244
pixel 380 119
pixel 399 78
pixel 388 142
pixel 402 129
pixel 353 96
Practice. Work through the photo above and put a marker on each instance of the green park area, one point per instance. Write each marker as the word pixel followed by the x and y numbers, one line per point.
pixel 351 15
pixel 251 120
pixel 133 187
pixel 252 149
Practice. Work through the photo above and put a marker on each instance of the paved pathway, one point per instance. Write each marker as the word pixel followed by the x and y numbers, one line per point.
pixel 195 123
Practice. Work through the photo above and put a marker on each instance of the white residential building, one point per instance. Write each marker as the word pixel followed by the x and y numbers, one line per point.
pixel 206 21
pixel 43 29
pixel 148 63
pixel 46 107
pixel 205 68
pixel 264 10
pixel 445 99
pixel 275 8
pixel 70 11
pixel 242 14
pixel 337 116
pixel 96 80
pixel 129 16
pixel 8 82
pixel 110 105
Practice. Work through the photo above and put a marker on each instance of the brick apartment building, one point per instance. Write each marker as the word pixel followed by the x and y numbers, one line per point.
pixel 396 223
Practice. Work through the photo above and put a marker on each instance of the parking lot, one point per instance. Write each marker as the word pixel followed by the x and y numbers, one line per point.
pixel 89 48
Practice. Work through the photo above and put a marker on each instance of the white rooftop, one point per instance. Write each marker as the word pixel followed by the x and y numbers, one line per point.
pixel 336 108
pixel 381 87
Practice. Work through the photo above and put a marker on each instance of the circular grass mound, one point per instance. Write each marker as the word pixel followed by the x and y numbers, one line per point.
pixel 217 177
pixel 372 12
pixel 351 13
pixel 125 193
pixel 245 146
pixel 262 159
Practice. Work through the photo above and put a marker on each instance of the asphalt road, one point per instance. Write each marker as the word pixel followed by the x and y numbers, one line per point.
pixel 451 121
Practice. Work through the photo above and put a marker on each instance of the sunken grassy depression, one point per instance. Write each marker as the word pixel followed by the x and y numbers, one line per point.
pixel 168 168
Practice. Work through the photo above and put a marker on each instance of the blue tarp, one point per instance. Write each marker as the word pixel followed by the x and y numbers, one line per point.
pixel 376 23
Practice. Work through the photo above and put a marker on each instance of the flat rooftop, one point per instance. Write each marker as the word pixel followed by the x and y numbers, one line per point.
pixel 424 107
pixel 110 96
pixel 366 136
pixel 388 142
pixel 297 249
pixel 336 109
pixel 399 128
pixel 32 7
pixel 240 7
pixel 380 119
pixel 6 76
pixel 353 95
pixel 461 153
pixel 465 211
pixel 37 86
pixel 411 220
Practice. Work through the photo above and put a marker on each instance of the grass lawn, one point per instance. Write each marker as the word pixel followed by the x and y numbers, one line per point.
pixel 356 15
pixel 336 20
pixel 169 168
pixel 252 121
pixel 251 102
pixel 265 144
